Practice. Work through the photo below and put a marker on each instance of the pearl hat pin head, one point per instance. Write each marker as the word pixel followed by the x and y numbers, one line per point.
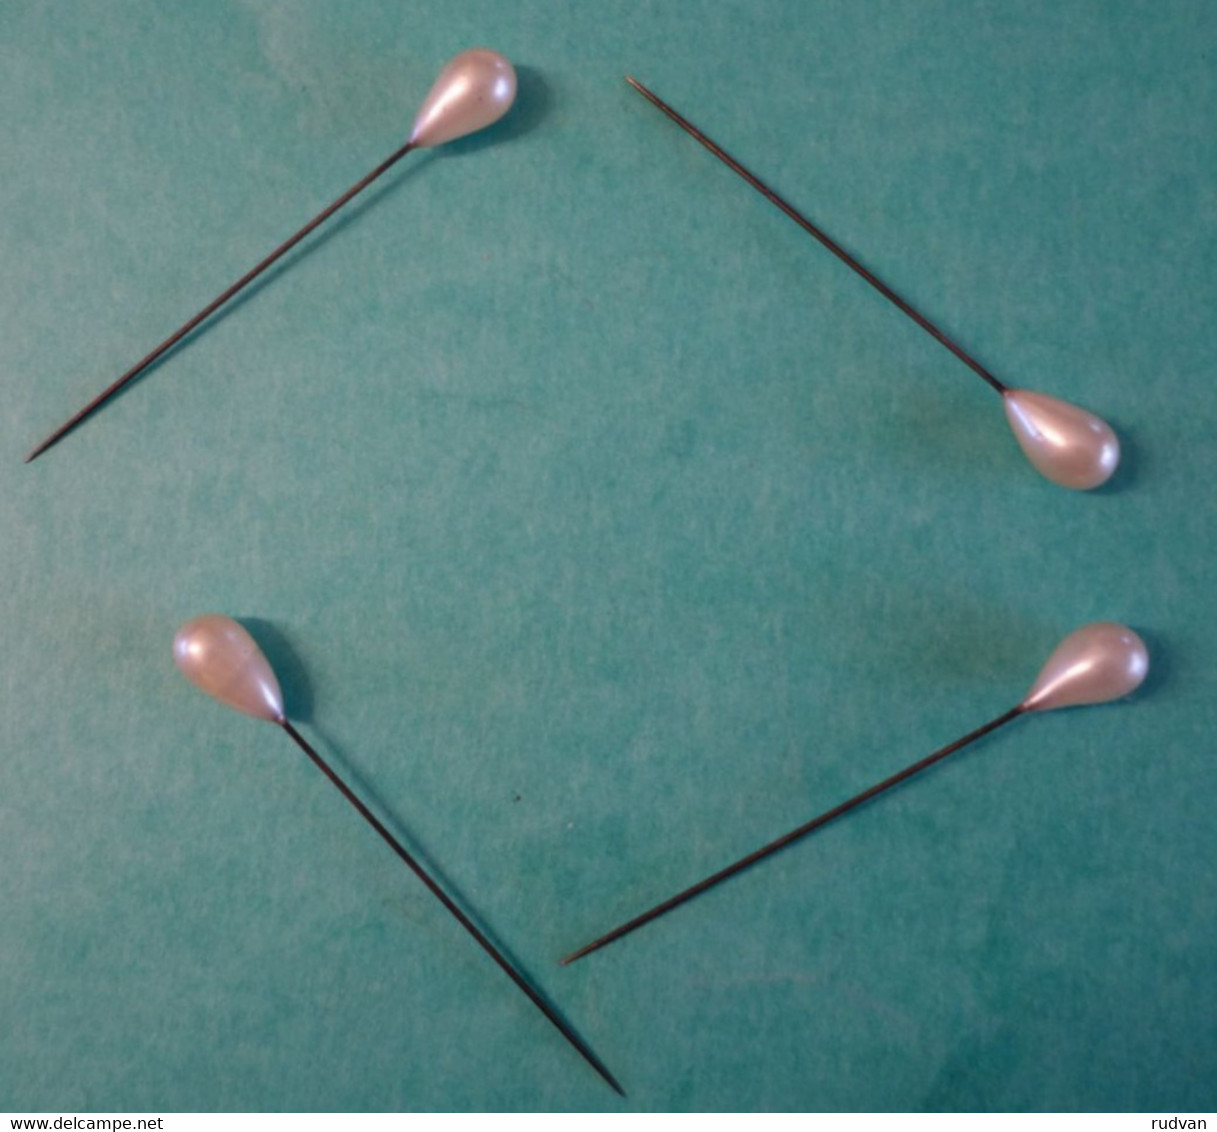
pixel 1068 445
pixel 1095 664
pixel 218 656
pixel 472 92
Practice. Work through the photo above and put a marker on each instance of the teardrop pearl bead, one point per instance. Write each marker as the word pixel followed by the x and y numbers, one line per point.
pixel 1068 445
pixel 217 655
pixel 472 92
pixel 1094 664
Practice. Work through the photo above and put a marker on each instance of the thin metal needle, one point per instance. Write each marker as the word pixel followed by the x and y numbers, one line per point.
pixel 219 301
pixel 448 903
pixel 792 836
pixel 823 237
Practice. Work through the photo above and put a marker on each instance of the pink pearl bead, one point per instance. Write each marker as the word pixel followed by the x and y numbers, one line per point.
pixel 1094 664
pixel 1068 445
pixel 472 92
pixel 217 655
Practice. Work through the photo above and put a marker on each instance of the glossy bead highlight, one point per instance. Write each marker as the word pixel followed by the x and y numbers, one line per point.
pixel 472 92
pixel 219 657
pixel 1095 664
pixel 1070 446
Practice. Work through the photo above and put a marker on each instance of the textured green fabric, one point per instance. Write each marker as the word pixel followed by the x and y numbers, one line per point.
pixel 602 527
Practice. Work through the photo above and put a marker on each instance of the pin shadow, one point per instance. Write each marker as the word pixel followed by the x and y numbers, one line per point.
pixel 294 682
pixel 534 101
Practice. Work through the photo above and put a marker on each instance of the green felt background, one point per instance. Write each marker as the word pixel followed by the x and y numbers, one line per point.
pixel 603 527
